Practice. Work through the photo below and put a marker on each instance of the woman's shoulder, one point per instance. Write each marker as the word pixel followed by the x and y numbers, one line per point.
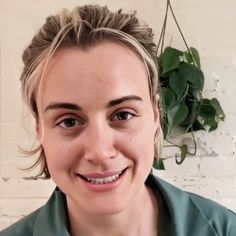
pixel 22 227
pixel 193 213
pixel 218 216
pixel 50 219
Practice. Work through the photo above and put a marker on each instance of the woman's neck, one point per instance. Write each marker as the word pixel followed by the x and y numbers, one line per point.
pixel 140 218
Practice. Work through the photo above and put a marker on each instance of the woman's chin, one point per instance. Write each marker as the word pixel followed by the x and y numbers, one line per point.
pixel 107 208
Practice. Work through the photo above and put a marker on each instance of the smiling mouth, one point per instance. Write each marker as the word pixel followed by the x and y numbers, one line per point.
pixel 104 180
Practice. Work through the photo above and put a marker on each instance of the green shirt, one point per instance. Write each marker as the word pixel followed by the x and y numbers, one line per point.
pixel 181 214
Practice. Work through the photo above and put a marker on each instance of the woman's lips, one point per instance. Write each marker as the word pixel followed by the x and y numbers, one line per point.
pixel 102 182
pixel 101 175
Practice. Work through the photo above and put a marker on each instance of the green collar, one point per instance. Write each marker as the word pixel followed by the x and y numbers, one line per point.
pixel 181 213
pixel 52 219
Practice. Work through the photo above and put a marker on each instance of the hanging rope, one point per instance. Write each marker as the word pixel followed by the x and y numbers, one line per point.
pixel 161 40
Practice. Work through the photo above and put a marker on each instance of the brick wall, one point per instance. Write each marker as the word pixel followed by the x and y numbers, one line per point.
pixel 207 26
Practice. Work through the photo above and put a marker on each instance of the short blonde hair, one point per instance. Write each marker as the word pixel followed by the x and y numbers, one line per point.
pixel 83 27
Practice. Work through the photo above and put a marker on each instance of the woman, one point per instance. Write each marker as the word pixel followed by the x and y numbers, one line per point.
pixel 90 80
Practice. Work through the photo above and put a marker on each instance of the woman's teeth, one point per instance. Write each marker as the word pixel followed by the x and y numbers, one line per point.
pixel 105 180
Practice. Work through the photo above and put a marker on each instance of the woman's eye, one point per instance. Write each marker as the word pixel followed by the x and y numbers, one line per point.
pixel 123 116
pixel 69 123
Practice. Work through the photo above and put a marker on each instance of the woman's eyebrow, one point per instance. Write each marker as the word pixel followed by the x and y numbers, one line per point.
pixel 72 106
pixel 124 99
pixel 62 105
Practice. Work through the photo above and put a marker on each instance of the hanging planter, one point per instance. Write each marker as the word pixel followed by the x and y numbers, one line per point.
pixel 181 86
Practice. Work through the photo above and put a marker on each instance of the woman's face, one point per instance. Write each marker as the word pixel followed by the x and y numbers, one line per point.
pixel 97 126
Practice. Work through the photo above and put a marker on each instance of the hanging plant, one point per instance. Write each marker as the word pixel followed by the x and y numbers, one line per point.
pixel 181 86
pixel 182 83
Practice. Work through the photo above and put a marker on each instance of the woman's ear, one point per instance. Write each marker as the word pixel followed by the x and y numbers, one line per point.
pixel 38 129
pixel 156 108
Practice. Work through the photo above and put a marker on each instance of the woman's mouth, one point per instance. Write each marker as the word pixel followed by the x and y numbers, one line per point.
pixel 98 180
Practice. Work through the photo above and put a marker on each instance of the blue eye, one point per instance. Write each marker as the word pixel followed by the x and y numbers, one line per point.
pixel 69 123
pixel 123 116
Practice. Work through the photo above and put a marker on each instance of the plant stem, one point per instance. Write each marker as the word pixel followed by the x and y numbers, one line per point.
pixel 179 146
pixel 194 143
pixel 185 94
pixel 172 144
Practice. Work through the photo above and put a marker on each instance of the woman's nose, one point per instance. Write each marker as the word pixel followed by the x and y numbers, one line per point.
pixel 99 144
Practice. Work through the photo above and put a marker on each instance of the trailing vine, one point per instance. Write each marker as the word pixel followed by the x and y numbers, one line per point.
pixel 181 86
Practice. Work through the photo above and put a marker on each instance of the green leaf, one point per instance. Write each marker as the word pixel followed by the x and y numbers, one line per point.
pixel 192 57
pixel 183 154
pixel 192 74
pixel 165 129
pixel 219 111
pixel 206 109
pixel 170 59
pixel 168 97
pixel 178 84
pixel 192 114
pixel 212 124
pixel 177 114
pixel 196 56
pixel 188 57
pixel 207 115
pixel 197 126
pixel 159 165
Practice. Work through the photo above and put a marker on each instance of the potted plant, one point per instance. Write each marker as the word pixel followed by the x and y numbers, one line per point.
pixel 182 103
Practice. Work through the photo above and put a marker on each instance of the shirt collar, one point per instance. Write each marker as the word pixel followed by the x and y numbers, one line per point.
pixel 178 214
pixel 176 217
pixel 52 218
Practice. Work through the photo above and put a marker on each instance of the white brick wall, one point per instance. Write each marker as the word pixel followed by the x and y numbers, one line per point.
pixel 208 25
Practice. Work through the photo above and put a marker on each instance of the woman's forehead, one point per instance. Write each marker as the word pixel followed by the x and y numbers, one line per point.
pixel 107 67
pixel 101 55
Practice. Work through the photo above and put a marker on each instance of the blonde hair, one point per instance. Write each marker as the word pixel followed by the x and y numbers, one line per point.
pixel 83 27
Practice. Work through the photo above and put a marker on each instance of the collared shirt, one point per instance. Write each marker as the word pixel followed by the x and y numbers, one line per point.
pixel 180 214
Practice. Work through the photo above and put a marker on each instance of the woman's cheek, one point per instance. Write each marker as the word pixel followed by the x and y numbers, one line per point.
pixel 57 152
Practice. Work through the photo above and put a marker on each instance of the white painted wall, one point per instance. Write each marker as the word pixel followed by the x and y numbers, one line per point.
pixel 208 26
